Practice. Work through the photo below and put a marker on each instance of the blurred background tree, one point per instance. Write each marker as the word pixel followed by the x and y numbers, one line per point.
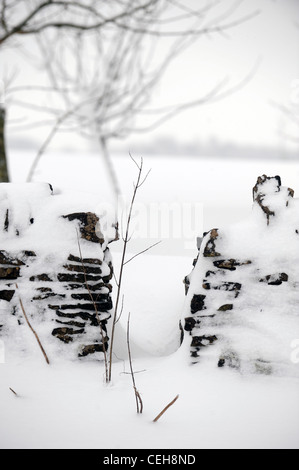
pixel 101 61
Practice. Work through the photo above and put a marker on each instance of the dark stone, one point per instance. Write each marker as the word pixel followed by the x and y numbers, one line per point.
pixel 190 322
pixel 9 273
pixel 93 348
pixel 291 192
pixel 206 285
pixel 210 273
pixel 81 278
pixel 6 221
pixel 198 303
pixel 210 248
pixel 225 308
pixel 41 277
pixel 102 306
pixel 6 295
pixel 91 317
pixel 275 279
pixel 229 264
pixel 194 261
pixel 227 286
pixel 78 324
pixel 108 278
pixel 186 282
pixel 44 289
pixel 29 253
pixel 194 354
pixel 221 362
pixel 258 195
pixel 82 269
pixel 181 333
pixel 64 333
pixel 259 199
pixel 6 259
pixel 88 222
pixel 92 297
pixel 201 341
pixel 92 287
pixel 76 259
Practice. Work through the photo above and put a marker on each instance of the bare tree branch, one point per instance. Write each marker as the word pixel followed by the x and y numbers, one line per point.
pixel 25 26
pixel 102 61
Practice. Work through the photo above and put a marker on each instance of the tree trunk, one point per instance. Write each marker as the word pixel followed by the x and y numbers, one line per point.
pixel 3 164
pixel 110 168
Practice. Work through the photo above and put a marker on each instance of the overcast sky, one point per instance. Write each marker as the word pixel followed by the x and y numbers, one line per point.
pixel 269 41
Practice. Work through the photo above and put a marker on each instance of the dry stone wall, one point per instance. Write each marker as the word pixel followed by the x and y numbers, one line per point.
pixel 242 302
pixel 62 273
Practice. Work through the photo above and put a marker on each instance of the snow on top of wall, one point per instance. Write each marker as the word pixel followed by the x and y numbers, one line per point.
pixel 31 217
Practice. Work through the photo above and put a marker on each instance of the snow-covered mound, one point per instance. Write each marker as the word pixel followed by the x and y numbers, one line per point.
pixel 55 262
pixel 243 293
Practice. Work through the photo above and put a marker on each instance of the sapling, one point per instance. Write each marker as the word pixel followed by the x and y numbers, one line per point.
pixel 126 238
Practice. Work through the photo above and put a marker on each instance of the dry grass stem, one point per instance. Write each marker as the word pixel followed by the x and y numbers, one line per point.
pixel 33 331
pixel 139 403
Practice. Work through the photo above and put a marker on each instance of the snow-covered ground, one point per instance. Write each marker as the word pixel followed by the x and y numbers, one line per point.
pixel 67 404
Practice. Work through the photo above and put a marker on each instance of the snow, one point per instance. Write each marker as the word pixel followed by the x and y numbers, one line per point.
pixel 67 404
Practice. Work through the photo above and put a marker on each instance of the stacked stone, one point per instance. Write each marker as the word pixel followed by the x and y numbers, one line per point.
pixel 73 296
pixel 202 305
pixel 217 281
pixel 10 267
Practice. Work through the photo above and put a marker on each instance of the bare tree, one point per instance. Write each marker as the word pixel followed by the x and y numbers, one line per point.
pixel 103 60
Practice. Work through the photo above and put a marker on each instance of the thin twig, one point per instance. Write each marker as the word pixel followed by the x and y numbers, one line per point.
pixel 143 251
pixel 13 392
pixel 135 372
pixel 32 329
pixel 139 403
pixel 121 310
pixel 166 408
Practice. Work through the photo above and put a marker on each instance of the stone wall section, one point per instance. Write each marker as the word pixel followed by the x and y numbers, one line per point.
pixel 71 296
pixel 218 284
